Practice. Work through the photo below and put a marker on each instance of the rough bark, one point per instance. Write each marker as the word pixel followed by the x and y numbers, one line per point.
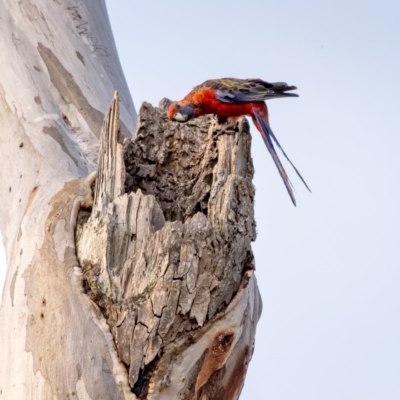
pixel 167 256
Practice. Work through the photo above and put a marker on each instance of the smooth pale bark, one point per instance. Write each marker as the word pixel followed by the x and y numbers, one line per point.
pixel 59 69
pixel 178 322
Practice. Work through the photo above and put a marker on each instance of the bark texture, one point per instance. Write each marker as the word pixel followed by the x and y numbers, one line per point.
pixel 59 70
pixel 166 253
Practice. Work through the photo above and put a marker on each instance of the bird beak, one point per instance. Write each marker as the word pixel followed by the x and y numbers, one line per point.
pixel 184 114
pixel 181 117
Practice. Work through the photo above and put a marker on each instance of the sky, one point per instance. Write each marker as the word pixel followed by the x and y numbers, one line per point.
pixel 329 269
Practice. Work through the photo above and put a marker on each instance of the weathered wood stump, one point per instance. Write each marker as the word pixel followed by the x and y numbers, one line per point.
pixel 166 253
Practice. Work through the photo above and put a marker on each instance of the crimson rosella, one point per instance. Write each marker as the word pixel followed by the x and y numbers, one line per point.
pixel 230 97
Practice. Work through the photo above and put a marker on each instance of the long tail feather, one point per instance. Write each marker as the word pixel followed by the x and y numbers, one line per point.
pixel 266 135
pixel 287 158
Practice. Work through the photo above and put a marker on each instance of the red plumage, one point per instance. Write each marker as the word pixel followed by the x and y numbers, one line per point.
pixel 230 97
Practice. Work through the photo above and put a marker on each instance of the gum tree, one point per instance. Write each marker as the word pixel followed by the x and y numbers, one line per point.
pixel 130 272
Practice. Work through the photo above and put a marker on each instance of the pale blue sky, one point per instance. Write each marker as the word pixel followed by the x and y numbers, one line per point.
pixel 328 270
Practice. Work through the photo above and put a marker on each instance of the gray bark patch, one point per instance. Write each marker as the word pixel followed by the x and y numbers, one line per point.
pixel 12 287
pixel 60 139
pixel 69 90
pixel 80 57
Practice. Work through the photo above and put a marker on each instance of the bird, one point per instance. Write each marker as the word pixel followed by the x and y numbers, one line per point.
pixel 232 97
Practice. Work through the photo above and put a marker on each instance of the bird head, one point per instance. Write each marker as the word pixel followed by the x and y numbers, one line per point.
pixel 180 113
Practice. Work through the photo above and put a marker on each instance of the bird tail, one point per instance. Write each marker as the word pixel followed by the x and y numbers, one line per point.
pixel 267 135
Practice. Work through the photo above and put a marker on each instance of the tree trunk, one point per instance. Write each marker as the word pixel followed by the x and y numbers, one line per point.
pixel 162 303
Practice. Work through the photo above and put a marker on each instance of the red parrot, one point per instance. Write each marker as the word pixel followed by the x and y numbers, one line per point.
pixel 231 97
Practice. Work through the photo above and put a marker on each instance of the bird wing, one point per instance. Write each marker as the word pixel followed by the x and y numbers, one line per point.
pixel 232 90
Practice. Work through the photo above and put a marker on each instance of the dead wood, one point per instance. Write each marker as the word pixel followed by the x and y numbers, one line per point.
pixel 166 253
